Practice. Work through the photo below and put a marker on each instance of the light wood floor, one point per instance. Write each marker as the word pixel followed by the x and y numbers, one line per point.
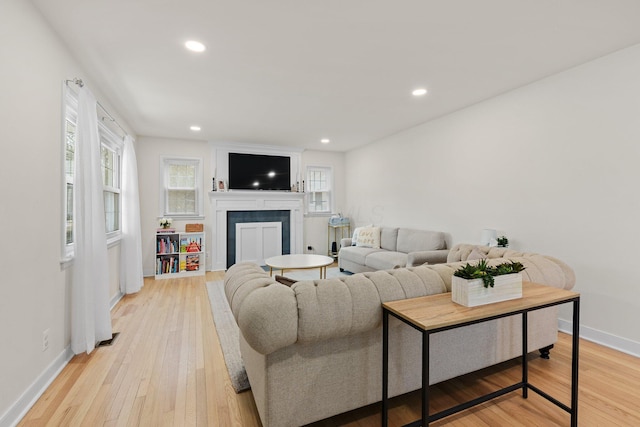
pixel 166 369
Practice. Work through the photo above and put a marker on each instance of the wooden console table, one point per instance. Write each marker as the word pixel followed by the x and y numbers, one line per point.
pixel 436 313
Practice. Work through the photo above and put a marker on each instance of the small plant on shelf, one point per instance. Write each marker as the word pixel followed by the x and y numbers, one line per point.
pixel 165 222
pixel 502 241
pixel 483 271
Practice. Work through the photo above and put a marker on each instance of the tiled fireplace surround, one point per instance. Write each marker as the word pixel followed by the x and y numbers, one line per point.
pixel 251 204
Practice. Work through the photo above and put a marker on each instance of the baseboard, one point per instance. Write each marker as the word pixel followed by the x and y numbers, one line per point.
pixel 115 300
pixel 20 408
pixel 608 340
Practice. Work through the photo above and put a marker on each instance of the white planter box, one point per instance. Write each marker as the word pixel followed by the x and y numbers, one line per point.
pixel 471 293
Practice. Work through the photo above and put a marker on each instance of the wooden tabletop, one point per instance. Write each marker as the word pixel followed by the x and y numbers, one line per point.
pixel 438 311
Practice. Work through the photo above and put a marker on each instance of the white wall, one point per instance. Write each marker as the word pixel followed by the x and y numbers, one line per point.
pixel 34 290
pixel 315 227
pixel 149 152
pixel 553 165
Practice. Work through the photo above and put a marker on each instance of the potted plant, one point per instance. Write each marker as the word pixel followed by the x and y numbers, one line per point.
pixel 502 242
pixel 478 284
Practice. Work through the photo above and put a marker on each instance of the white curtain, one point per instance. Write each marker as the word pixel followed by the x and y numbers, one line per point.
pixel 131 278
pixel 90 314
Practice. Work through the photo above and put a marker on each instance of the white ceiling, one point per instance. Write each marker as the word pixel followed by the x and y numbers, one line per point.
pixel 290 72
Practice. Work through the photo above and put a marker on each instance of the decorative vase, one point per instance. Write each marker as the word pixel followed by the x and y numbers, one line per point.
pixel 471 293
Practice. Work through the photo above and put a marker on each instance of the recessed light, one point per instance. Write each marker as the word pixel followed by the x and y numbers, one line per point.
pixel 419 92
pixel 325 141
pixel 195 46
pixel 195 128
pixel 271 174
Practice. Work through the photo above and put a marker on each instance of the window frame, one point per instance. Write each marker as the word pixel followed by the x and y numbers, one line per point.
pixel 115 144
pixel 69 113
pixel 328 170
pixel 163 208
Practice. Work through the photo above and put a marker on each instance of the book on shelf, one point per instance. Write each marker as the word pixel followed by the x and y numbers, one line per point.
pixel 166 230
pixel 184 242
pixel 192 262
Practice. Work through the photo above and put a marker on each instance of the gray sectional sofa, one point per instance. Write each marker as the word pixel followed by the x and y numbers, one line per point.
pixel 399 247
pixel 314 349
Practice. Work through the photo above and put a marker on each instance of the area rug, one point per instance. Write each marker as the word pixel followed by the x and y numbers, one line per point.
pixel 228 334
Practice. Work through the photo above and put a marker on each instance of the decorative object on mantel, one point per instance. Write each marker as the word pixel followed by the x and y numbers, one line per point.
pixel 222 185
pixel 488 237
pixel 502 242
pixel 479 284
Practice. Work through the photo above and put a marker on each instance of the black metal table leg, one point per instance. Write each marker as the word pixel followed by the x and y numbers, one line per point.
pixel 525 366
pixel 574 363
pixel 425 379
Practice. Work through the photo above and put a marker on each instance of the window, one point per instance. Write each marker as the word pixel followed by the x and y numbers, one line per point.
pixel 182 187
pixel 318 189
pixel 70 122
pixel 111 154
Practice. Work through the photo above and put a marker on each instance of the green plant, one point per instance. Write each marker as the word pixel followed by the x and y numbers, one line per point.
pixel 483 271
pixel 503 242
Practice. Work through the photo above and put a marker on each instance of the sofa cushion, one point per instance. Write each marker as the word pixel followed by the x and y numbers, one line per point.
pixel 419 240
pixel 476 254
pixel 369 238
pixel 357 255
pixel 389 238
pixel 386 260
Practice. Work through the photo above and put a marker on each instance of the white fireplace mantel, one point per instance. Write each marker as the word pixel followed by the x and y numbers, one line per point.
pixel 225 201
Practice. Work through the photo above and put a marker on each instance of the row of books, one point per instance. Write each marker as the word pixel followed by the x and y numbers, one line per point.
pixel 172 264
pixel 166 245
pixel 167 265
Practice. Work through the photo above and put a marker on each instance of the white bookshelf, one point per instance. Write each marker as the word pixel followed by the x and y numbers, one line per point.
pixel 179 254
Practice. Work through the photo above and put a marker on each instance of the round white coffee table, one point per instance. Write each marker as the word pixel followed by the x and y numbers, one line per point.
pixel 299 262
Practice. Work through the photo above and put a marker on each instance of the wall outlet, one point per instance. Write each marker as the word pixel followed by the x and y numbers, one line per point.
pixel 45 340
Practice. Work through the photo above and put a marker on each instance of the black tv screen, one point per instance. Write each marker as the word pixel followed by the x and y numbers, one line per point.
pixel 259 172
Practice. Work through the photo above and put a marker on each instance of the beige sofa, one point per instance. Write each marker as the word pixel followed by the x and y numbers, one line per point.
pixel 399 247
pixel 313 350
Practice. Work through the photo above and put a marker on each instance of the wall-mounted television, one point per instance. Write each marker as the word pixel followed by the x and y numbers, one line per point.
pixel 259 172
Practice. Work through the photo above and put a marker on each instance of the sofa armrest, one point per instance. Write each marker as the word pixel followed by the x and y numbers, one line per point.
pixel 345 242
pixel 417 258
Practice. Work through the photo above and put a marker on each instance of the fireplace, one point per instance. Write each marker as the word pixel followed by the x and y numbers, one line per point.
pixel 235 218
pixel 243 207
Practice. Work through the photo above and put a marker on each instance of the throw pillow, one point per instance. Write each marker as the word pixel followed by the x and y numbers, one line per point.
pixel 369 237
pixel 285 280
pixel 354 239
